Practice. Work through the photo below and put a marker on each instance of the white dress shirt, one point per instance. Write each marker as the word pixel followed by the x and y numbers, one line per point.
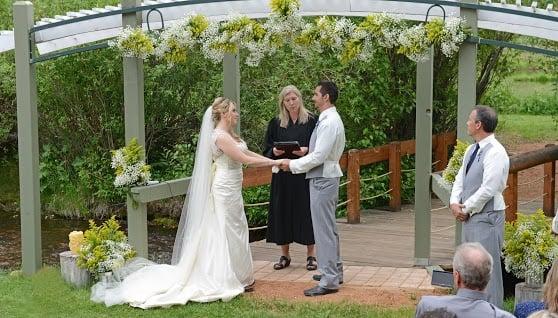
pixel 330 143
pixel 495 175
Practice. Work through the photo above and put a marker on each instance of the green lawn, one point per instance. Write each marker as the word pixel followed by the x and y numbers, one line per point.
pixel 46 295
pixel 528 128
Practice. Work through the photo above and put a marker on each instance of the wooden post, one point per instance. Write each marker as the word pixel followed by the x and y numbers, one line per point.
pixel 441 152
pixel 510 197
pixel 28 140
pixel 134 115
pixel 353 188
pixel 231 80
pixel 423 159
pixel 466 84
pixel 395 176
pixel 549 187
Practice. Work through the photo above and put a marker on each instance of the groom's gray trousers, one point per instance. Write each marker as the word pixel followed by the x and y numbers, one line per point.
pixel 324 193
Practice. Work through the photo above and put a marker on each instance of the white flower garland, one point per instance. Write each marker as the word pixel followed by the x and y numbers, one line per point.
pixel 285 26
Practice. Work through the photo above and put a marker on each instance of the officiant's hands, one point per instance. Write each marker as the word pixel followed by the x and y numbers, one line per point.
pixel 303 151
pixel 277 152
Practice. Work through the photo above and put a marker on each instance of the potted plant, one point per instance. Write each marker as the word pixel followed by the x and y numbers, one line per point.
pixel 529 250
pixel 104 249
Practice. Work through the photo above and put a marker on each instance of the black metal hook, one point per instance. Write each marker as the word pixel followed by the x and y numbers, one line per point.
pixel 432 6
pixel 160 15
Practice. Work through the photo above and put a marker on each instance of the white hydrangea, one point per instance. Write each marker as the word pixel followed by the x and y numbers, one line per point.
pixel 210 37
pixel 454 35
pixel 118 159
pixel 415 38
pixel 141 50
pixel 132 175
pixel 391 29
pixel 115 256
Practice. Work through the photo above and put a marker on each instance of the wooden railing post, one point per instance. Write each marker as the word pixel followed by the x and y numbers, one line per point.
pixel 441 152
pixel 549 187
pixel 395 176
pixel 510 197
pixel 353 188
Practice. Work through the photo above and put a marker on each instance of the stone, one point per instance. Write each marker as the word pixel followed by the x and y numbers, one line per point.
pixel 71 273
pixel 524 292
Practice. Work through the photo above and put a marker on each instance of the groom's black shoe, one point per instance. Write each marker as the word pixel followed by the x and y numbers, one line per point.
pixel 318 277
pixel 318 291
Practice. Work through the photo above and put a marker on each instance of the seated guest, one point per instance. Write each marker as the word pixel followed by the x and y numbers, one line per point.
pixel 472 266
pixel 550 296
pixel 543 314
pixel 438 313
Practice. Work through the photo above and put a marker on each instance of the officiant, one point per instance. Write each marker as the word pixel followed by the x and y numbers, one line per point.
pixel 289 219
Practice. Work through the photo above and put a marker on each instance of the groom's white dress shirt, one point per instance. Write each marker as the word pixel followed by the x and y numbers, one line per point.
pixel 330 143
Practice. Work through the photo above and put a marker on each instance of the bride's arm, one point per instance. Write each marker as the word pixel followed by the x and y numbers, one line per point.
pixel 253 154
pixel 229 146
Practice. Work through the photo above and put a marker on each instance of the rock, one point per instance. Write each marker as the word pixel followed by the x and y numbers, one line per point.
pixel 524 292
pixel 71 273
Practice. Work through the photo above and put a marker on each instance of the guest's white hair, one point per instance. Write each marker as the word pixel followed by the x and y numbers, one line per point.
pixel 474 265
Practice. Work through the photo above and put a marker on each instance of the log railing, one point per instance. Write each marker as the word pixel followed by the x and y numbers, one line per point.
pixel 352 160
pixel 546 157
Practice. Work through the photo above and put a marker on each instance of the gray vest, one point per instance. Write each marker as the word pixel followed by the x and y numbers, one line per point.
pixel 472 180
pixel 317 171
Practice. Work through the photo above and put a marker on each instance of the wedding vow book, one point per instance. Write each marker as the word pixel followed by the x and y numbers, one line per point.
pixel 287 146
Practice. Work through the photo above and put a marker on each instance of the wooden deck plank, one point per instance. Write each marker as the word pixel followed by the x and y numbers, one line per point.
pixel 383 238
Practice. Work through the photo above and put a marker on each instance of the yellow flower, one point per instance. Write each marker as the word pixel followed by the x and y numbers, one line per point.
pixel 76 238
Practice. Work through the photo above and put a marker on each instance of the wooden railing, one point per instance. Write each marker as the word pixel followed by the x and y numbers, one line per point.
pixel 351 163
pixel 352 160
pixel 546 157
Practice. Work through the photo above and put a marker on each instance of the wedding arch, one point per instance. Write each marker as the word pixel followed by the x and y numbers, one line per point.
pixel 88 30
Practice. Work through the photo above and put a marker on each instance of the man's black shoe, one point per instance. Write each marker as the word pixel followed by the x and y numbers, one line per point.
pixel 318 277
pixel 318 291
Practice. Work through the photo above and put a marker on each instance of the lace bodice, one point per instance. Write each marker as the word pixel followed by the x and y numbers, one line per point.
pixel 221 159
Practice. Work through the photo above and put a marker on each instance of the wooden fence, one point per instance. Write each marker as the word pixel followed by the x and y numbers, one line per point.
pixel 352 160
pixel 547 157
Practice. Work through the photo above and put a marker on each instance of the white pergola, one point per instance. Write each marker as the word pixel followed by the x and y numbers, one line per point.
pixel 75 32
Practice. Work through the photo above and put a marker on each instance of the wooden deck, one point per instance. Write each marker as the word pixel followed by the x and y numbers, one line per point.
pixel 383 238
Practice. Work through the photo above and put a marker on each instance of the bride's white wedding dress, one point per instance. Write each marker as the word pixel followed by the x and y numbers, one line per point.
pixel 211 257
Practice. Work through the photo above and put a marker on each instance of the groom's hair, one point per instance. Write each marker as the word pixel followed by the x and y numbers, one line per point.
pixel 329 88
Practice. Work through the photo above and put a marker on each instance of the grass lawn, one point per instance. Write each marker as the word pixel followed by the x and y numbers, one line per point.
pixel 529 128
pixel 46 295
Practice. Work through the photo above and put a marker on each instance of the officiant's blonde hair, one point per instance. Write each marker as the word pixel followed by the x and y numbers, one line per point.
pixel 284 113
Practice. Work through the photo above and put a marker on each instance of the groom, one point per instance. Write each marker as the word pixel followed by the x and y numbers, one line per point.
pixel 322 168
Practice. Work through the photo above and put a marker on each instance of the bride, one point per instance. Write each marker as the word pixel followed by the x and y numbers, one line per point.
pixel 211 256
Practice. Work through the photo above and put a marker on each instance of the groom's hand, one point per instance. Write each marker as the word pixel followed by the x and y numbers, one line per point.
pixel 285 165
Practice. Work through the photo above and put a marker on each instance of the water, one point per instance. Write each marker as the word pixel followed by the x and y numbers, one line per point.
pixel 54 238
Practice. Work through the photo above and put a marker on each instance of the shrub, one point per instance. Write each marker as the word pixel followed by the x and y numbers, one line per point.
pixel 529 245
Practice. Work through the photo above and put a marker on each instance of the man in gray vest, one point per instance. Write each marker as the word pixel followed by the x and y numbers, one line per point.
pixel 321 166
pixel 471 272
pixel 476 197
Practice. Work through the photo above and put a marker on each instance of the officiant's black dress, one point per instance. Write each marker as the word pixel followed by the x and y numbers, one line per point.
pixel 289 218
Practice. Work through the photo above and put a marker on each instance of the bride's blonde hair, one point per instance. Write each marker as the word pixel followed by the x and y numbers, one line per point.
pixel 221 106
